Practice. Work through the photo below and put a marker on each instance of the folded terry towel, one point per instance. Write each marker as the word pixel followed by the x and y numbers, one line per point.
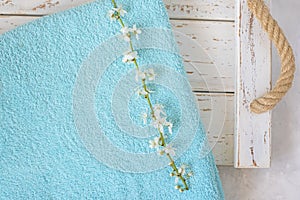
pixel 70 125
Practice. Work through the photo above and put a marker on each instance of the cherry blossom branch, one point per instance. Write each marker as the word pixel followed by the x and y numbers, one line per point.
pixel 158 115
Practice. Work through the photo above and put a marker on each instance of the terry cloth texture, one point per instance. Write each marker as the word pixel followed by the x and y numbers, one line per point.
pixel 70 125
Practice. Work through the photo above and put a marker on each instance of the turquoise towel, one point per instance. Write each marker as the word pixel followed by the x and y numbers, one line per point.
pixel 70 125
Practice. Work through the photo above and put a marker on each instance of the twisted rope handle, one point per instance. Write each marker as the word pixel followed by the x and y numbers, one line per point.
pixel 284 82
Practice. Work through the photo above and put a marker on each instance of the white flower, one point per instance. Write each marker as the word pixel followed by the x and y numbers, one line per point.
pixel 126 38
pixel 181 170
pixel 161 129
pixel 190 174
pixel 120 10
pixel 169 150
pixel 136 31
pixel 145 74
pixel 158 110
pixel 158 107
pixel 154 143
pixel 140 74
pixel 142 92
pixel 111 15
pixel 130 56
pixel 151 75
pixel 160 152
pixel 170 126
pixel 160 119
pixel 159 122
pixel 125 33
pixel 125 30
pixel 144 117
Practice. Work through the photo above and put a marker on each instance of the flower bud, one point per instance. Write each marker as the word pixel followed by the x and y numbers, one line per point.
pixel 190 174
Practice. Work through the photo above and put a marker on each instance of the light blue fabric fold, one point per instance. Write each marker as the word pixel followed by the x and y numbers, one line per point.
pixel 70 125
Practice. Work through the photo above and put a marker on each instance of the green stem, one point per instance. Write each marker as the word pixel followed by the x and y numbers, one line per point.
pixel 163 143
pixel 172 164
pixel 115 4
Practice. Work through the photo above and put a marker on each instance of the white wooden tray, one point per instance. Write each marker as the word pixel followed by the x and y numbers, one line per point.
pixel 233 68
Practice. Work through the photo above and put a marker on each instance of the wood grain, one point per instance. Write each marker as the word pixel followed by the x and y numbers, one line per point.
pixel 201 9
pixel 188 9
pixel 217 114
pixel 8 23
pixel 207 48
pixel 253 131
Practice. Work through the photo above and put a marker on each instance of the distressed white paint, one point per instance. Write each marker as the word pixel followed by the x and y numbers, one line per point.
pixel 189 9
pixel 201 9
pixel 8 23
pixel 37 7
pixel 207 48
pixel 252 141
pixel 282 180
pixel 204 30
pixel 217 114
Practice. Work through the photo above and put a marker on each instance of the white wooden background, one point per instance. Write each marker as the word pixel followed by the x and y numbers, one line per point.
pixel 213 71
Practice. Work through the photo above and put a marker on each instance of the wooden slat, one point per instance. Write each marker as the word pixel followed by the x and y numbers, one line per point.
pixel 187 9
pixel 201 43
pixel 201 9
pixel 217 114
pixel 252 144
pixel 8 23
pixel 37 7
pixel 208 51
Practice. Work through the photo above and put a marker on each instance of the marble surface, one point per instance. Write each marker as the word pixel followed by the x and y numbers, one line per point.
pixel 282 180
